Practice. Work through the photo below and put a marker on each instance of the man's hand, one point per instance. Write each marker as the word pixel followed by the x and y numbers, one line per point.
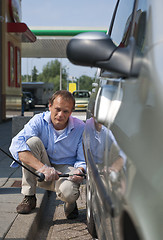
pixel 50 173
pixel 75 178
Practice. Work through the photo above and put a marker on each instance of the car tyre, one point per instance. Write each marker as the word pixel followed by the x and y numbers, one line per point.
pixel 90 220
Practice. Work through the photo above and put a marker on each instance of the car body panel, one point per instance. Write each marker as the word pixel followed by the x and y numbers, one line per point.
pixel 127 202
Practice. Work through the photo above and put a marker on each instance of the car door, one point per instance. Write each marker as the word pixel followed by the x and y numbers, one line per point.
pixel 120 186
pixel 130 59
pixel 129 22
pixel 104 150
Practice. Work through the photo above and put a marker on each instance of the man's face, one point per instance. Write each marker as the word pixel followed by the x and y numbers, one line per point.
pixel 60 111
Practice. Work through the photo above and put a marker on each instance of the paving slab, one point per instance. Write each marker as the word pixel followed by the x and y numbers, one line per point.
pixel 55 226
pixel 12 224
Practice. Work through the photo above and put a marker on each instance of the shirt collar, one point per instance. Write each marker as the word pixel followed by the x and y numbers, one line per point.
pixel 47 117
pixel 70 126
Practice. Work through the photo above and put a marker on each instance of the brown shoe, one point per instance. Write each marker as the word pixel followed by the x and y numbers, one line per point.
pixel 26 206
pixel 71 210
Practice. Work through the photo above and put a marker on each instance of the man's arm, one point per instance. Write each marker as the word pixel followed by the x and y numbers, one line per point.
pixel 27 157
pixel 34 127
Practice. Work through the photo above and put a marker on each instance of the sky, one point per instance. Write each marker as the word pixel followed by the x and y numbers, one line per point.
pixel 65 13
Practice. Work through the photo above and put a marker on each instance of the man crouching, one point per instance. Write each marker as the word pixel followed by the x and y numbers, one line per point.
pixel 51 143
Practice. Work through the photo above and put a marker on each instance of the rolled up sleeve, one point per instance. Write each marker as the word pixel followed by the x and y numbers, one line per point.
pixel 18 143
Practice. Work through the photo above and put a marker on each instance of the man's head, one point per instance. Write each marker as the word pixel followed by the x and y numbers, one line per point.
pixel 61 105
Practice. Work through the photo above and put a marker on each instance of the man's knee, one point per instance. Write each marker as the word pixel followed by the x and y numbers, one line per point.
pixel 34 142
pixel 38 150
pixel 68 191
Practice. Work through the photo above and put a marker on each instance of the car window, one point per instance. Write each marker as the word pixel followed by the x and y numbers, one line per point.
pixel 140 24
pixel 122 27
pixel 29 95
pixel 122 23
pixel 81 94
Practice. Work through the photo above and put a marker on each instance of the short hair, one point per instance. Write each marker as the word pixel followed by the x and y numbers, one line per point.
pixel 66 95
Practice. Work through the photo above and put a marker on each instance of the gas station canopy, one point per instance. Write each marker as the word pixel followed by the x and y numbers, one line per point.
pixel 51 42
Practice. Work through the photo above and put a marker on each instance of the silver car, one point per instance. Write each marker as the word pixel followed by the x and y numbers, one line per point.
pixel 123 138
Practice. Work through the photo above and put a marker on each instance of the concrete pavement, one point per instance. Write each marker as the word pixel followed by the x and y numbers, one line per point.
pixel 12 224
pixel 55 226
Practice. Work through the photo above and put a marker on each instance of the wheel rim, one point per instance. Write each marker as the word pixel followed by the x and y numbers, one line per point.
pixel 88 200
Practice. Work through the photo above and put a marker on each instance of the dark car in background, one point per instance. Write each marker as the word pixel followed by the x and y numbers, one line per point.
pixel 31 99
pixel 123 137
pixel 25 102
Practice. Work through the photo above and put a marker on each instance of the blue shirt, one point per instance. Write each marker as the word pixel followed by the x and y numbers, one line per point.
pixel 63 149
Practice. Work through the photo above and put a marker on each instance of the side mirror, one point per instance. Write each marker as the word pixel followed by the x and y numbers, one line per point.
pixel 107 104
pixel 96 49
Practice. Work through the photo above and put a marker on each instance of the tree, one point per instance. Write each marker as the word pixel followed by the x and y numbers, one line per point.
pixel 34 74
pixel 50 70
pixel 85 83
pixel 25 78
pixel 51 73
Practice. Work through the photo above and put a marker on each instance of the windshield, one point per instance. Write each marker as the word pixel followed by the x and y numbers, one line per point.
pixel 28 94
pixel 81 94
